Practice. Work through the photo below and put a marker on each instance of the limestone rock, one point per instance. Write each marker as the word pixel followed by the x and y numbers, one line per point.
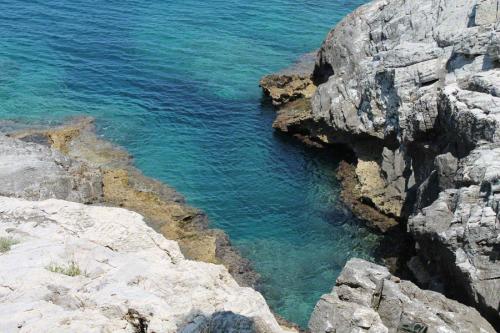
pixel 459 233
pixel 291 83
pixel 352 196
pixel 412 86
pixel 284 88
pixel 70 162
pixel 78 268
pixel 37 172
pixel 367 298
pixel 387 72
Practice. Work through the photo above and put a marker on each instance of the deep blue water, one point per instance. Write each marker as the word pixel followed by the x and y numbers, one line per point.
pixel 176 83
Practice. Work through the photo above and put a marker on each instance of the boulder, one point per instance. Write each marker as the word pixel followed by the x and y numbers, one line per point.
pixel 367 298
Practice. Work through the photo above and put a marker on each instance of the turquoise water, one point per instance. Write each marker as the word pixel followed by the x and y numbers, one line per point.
pixel 175 82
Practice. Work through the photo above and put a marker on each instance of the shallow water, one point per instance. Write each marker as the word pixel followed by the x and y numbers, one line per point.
pixel 176 83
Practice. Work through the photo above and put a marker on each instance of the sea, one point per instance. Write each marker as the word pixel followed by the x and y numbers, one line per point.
pixel 176 84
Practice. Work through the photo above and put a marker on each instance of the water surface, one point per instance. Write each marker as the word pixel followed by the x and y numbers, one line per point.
pixel 175 82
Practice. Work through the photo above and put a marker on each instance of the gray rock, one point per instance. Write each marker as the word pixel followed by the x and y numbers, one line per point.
pixel 367 298
pixel 412 86
pixel 223 322
pixel 486 12
pixel 36 172
pixel 486 82
pixel 459 234
pixel 397 73
pixel 468 117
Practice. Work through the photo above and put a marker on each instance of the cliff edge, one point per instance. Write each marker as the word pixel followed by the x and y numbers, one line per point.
pixel 71 263
pixel 76 268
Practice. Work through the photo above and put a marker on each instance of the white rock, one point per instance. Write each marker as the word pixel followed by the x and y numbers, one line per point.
pixel 132 278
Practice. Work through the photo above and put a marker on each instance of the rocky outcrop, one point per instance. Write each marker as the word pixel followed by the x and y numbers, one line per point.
pixel 77 268
pixel 383 69
pixel 292 83
pixel 413 88
pixel 394 64
pixel 284 88
pixel 36 172
pixel 367 298
pixel 352 197
pixel 458 234
pixel 71 163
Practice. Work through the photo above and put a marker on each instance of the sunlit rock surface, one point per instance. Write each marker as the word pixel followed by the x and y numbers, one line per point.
pixel 77 268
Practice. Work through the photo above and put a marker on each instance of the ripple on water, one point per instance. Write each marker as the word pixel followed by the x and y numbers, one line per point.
pixel 175 82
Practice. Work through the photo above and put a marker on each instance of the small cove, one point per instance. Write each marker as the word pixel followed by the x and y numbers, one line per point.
pixel 177 85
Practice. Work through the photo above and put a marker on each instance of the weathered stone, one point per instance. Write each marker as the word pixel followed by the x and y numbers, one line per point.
pixel 37 172
pixel 352 197
pixel 292 83
pixel 284 88
pixel 124 276
pixel 486 12
pixel 367 298
pixel 383 68
pixel 293 114
pixel 71 163
pixel 459 234
pixel 412 87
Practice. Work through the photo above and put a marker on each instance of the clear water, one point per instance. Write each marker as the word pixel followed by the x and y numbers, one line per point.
pixel 175 82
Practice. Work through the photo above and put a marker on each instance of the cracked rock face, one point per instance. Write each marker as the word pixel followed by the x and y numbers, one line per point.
pixel 77 268
pixel 397 72
pixel 459 233
pixel 367 298
pixel 34 171
pixel 412 86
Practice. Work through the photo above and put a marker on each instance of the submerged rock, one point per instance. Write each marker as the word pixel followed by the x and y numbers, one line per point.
pixel 78 268
pixel 367 298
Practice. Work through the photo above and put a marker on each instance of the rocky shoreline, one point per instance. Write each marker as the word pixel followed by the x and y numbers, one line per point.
pixel 412 88
pixel 97 172
pixel 71 267
pixel 71 262
pixel 89 244
pixel 60 177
